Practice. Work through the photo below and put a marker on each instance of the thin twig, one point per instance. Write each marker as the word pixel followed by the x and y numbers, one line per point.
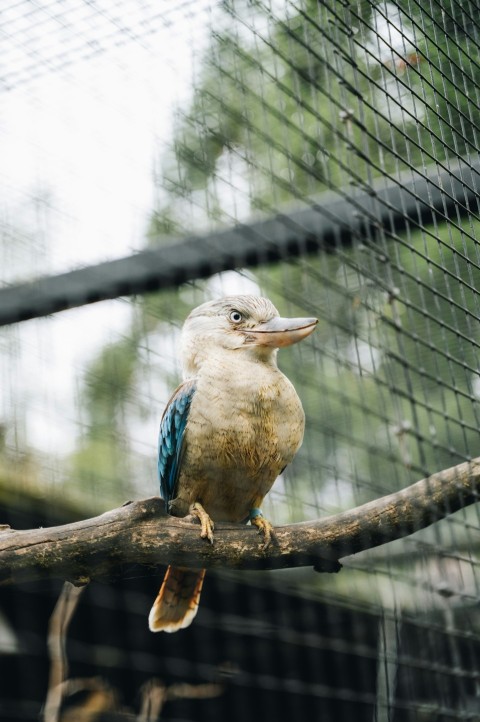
pixel 56 643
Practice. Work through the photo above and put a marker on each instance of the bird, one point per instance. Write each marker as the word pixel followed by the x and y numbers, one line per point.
pixel 227 432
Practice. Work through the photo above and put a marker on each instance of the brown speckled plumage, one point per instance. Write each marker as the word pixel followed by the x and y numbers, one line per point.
pixel 245 423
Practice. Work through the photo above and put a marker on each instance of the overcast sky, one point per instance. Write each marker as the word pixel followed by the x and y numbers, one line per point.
pixel 87 102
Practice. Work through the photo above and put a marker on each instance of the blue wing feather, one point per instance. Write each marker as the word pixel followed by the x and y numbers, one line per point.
pixel 171 438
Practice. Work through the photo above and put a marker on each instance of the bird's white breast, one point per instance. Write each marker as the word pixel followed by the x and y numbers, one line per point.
pixel 245 425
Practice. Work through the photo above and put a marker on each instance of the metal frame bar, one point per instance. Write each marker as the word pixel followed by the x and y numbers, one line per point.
pixel 328 223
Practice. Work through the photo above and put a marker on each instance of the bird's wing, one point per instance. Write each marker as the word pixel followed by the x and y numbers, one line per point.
pixel 171 438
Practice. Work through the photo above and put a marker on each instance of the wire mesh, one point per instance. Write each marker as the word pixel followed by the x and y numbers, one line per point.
pixel 323 154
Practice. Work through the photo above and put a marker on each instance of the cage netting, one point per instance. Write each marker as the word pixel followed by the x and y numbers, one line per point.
pixel 325 155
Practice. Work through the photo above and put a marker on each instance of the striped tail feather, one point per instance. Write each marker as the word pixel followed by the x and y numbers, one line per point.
pixel 177 601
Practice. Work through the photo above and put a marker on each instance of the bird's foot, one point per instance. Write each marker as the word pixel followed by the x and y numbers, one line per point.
pixel 198 512
pixel 265 528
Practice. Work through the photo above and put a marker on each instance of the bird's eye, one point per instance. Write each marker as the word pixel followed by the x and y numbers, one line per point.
pixel 235 316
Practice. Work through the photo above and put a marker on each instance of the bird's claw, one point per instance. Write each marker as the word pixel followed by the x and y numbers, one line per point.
pixel 265 528
pixel 199 513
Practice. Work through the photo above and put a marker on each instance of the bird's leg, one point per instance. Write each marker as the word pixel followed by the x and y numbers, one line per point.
pixel 198 512
pixel 264 527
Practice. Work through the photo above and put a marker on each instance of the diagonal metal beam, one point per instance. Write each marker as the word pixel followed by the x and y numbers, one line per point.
pixel 328 223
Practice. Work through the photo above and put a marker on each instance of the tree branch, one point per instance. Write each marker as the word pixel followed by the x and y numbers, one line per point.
pixel 141 533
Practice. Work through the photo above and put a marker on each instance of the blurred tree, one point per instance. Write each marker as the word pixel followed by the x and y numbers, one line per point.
pixel 292 100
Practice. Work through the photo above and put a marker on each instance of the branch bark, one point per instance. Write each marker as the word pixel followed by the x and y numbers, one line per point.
pixel 141 533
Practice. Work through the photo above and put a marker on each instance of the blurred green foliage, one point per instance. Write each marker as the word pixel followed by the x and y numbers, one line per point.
pixel 298 102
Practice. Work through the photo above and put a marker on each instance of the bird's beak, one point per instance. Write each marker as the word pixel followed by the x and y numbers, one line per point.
pixel 280 332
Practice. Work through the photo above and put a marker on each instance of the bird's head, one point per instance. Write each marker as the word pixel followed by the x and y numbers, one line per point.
pixel 239 324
